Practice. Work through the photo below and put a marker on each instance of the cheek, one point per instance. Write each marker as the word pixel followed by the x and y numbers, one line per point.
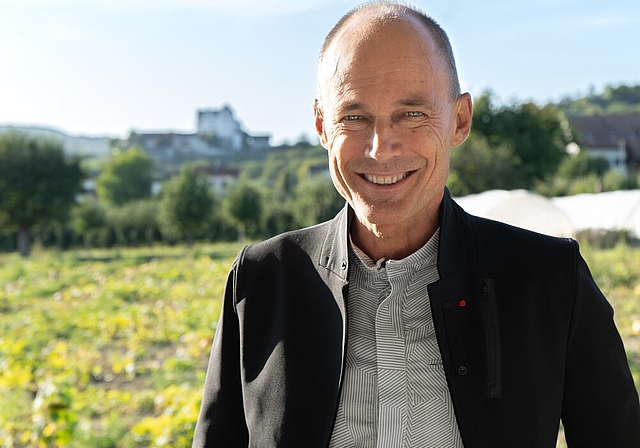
pixel 337 164
pixel 441 165
pixel 439 140
pixel 334 165
pixel 337 177
pixel 333 136
pixel 338 161
pixel 434 145
pixel 338 148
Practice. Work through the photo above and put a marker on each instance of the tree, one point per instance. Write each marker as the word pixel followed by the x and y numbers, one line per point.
pixel 38 184
pixel 127 177
pixel 538 135
pixel 243 205
pixel 578 173
pixel 316 201
pixel 614 180
pixel 582 164
pixel 614 100
pixel 186 204
pixel 278 217
pixel 88 218
pixel 134 222
pixel 477 167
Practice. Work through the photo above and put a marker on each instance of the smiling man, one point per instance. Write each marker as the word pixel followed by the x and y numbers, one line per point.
pixel 405 321
pixel 389 110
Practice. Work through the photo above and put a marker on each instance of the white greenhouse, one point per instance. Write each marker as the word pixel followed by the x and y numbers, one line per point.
pixel 562 216
pixel 520 208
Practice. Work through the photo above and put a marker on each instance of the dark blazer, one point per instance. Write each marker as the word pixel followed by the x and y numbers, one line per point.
pixel 526 339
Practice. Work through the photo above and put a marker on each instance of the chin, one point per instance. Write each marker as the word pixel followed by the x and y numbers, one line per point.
pixel 384 216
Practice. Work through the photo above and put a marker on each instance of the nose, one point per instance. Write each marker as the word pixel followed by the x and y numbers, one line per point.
pixel 383 144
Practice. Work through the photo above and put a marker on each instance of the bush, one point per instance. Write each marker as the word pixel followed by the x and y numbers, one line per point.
pixel 316 201
pixel 617 180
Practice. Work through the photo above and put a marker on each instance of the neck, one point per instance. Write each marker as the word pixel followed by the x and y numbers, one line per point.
pixel 395 241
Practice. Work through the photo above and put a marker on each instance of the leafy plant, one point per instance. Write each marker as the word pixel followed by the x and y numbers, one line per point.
pixel 109 348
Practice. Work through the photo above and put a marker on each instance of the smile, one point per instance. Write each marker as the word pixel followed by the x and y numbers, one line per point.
pixel 385 180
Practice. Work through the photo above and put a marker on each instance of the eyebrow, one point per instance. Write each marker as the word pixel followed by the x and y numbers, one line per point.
pixel 417 101
pixel 349 106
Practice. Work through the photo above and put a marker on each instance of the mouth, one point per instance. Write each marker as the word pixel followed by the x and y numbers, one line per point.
pixel 386 180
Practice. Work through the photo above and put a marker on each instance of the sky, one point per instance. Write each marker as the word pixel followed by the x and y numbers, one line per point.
pixel 107 67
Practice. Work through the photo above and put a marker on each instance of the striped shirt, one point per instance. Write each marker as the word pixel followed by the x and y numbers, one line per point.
pixel 394 392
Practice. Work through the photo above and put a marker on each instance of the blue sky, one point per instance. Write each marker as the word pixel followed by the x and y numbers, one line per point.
pixel 105 67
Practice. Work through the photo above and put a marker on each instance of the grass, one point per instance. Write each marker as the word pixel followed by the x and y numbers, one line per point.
pixel 108 348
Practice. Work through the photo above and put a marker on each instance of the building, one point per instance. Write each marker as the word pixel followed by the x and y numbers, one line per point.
pixel 222 126
pixel 219 179
pixel 613 137
pixel 218 133
pixel 171 145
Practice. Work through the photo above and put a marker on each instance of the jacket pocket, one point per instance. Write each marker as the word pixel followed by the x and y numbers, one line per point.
pixel 492 339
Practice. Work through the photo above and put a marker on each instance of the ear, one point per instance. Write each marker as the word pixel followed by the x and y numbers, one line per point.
pixel 319 123
pixel 462 119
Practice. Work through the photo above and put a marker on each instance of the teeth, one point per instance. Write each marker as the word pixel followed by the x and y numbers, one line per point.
pixel 384 180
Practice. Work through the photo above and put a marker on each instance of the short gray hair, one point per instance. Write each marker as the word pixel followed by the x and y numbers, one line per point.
pixel 384 11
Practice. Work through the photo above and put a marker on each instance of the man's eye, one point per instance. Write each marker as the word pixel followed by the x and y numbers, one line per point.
pixel 354 122
pixel 414 114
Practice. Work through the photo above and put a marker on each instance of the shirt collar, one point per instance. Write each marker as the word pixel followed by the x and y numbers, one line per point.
pixel 427 254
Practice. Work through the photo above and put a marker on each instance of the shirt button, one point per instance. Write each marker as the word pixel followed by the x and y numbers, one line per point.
pixel 462 370
pixel 344 265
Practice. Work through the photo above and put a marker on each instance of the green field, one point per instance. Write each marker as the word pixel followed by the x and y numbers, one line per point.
pixel 109 348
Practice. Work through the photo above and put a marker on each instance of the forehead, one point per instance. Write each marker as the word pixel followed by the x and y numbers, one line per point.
pixel 399 51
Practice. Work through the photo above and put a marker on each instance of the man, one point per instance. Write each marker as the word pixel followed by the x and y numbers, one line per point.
pixel 405 321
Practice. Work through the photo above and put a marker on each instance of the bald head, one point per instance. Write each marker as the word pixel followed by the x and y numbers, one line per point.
pixel 358 25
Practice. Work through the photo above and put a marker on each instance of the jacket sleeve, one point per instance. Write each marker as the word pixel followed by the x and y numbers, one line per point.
pixel 600 406
pixel 221 422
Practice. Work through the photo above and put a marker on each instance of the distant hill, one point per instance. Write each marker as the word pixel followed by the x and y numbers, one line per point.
pixel 613 100
pixel 79 145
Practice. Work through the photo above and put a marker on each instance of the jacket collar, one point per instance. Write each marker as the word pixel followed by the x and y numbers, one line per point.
pixel 456 247
pixel 334 255
pixel 455 250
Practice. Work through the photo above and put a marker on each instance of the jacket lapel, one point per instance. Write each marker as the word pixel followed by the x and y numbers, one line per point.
pixel 334 267
pixel 457 313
